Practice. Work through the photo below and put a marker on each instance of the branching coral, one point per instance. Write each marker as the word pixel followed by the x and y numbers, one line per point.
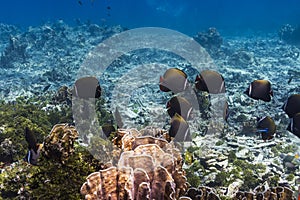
pixel 148 168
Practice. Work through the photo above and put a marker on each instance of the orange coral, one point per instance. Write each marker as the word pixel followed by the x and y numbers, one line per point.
pixel 148 168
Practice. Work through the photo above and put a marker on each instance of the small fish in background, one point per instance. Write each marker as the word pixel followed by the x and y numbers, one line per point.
pixel 211 82
pixel 292 105
pixel 266 127
pixel 297 156
pixel 87 87
pixel 34 148
pixel 179 105
pixel 260 90
pixel 179 129
pixel 174 80
pixel 290 79
pixel 226 111
pixel 108 9
pixel 81 3
pixel 118 118
pixel 46 87
pixel 294 126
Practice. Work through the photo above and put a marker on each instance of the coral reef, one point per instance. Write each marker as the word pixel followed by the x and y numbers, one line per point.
pixel 148 168
pixel 14 52
pixel 211 40
pixel 54 52
pixel 7 30
pixel 56 176
pixel 46 56
pixel 265 193
pixel 59 145
pixel 25 112
pixel 242 58
pixel 290 34
pixel 63 96
pixel 201 193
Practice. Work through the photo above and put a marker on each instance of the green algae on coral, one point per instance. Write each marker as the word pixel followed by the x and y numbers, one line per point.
pixel 290 177
pixel 220 142
pixel 250 180
pixel 15 116
pixel 49 180
pixel 192 173
pixel 279 148
pixel 231 157
pixel 222 179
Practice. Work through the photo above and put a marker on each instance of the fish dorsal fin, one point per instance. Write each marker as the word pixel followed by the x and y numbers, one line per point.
pixel 118 118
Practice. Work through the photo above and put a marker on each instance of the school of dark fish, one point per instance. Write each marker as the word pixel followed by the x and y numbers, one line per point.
pixel 179 108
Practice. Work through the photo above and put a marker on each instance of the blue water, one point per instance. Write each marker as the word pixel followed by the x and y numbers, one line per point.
pixel 187 16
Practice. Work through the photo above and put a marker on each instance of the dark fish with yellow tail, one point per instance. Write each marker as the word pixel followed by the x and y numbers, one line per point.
pixel 179 105
pixel 294 126
pixel 266 127
pixel 292 105
pixel 211 82
pixel 179 129
pixel 188 158
pixel 87 87
pixel 174 80
pixel 33 147
pixel 260 90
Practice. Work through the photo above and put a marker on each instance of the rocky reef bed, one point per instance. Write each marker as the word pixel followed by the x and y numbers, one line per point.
pixel 37 62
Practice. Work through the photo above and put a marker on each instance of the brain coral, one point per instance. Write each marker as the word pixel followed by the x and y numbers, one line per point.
pixel 149 167
pixel 59 145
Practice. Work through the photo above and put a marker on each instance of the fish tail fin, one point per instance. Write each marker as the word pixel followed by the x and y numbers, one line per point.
pixel 118 118
pixel 161 79
pixel 272 93
pixel 276 100
pixel 27 157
